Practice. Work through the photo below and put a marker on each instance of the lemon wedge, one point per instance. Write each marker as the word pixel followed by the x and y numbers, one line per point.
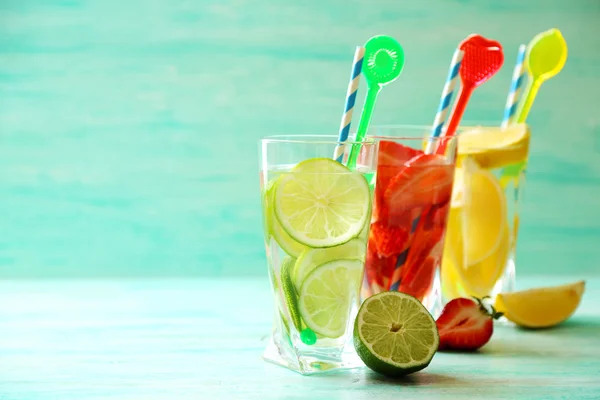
pixel 495 147
pixel 541 307
pixel 484 213
pixel 458 277
pixel 478 242
pixel 479 278
pixel 453 257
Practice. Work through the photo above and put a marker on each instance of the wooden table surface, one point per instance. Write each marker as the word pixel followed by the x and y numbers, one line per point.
pixel 203 339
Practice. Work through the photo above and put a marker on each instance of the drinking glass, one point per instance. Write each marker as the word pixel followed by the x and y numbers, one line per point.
pixel 483 222
pixel 316 221
pixel 412 197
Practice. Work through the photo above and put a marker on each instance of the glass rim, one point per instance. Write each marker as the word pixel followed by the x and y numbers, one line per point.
pixel 334 140
pixel 464 124
pixel 314 139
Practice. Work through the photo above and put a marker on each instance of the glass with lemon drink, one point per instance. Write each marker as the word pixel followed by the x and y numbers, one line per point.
pixel 482 225
pixel 316 221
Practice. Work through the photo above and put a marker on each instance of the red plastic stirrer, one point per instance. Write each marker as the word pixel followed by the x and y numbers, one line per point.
pixel 481 60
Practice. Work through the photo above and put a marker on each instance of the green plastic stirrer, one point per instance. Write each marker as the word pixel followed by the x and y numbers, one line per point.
pixel 383 62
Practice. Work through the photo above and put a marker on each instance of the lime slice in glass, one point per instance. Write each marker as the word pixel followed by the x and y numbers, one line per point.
pixel 274 229
pixel 321 203
pixel 394 334
pixel 289 292
pixel 328 294
pixel 310 259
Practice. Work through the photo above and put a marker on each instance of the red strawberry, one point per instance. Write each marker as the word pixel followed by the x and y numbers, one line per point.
pixel 418 280
pixel 391 161
pixel 418 272
pixel 437 216
pixel 385 174
pixel 389 240
pixel 423 244
pixel 465 324
pixel 426 180
pixel 395 154
pixel 378 269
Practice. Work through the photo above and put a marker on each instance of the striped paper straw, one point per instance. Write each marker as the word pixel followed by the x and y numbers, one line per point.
pixel 395 280
pixel 446 98
pixel 436 131
pixel 516 84
pixel 403 257
pixel 359 54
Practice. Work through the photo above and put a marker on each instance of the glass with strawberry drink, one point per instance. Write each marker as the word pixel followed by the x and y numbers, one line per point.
pixel 411 201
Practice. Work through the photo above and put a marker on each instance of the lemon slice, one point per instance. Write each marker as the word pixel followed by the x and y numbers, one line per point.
pixel 327 296
pixel 310 259
pixel 494 147
pixel 453 256
pixel 484 213
pixel 541 307
pixel 458 277
pixel 479 278
pixel 321 203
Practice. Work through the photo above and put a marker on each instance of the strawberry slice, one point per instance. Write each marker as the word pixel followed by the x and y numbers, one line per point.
pixel 385 174
pixel 418 281
pixel 395 154
pixel 426 180
pixel 391 161
pixel 424 242
pixel 389 240
pixel 424 256
pixel 437 216
pixel 466 324
pixel 378 269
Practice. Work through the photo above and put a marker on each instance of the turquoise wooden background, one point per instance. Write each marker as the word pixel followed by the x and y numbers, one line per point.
pixel 128 129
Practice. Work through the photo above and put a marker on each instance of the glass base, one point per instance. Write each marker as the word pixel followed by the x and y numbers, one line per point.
pixel 506 284
pixel 311 365
pixel 433 301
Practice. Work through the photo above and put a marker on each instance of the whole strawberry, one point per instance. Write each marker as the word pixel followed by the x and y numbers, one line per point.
pixel 466 324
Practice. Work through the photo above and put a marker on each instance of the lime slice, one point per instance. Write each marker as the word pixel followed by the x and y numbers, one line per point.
pixel 289 245
pixel 310 259
pixel 394 334
pixel 321 203
pixel 327 296
pixel 289 292
pixel 364 233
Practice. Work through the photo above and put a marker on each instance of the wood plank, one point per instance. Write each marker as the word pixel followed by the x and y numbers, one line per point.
pixel 151 340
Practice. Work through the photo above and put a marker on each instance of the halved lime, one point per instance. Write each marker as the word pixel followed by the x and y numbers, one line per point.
pixel 289 292
pixel 327 296
pixel 273 227
pixel 321 203
pixel 394 334
pixel 310 259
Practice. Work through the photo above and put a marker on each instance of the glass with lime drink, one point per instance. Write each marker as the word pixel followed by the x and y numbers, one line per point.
pixel 316 219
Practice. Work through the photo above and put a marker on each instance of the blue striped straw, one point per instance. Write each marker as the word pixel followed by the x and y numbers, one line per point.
pixel 359 54
pixel 446 98
pixel 436 131
pixel 510 110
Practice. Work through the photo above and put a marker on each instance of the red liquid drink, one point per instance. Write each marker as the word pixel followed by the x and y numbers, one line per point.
pixel 412 198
